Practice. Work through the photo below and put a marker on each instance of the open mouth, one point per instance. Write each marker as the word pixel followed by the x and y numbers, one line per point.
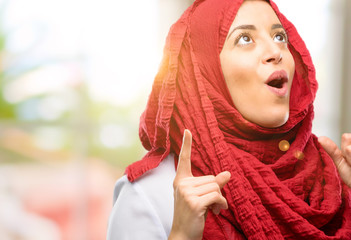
pixel 277 82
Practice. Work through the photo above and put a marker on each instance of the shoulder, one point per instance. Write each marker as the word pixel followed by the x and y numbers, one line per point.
pixel 144 207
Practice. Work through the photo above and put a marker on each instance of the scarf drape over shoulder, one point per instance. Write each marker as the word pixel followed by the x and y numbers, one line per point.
pixel 272 194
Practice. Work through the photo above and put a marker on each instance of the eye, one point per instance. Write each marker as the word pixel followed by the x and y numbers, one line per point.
pixel 280 37
pixel 243 39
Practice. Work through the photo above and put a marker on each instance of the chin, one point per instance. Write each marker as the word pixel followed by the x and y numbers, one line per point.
pixel 268 117
pixel 271 119
pixel 274 121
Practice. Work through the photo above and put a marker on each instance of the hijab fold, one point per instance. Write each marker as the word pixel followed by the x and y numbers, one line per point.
pixel 272 194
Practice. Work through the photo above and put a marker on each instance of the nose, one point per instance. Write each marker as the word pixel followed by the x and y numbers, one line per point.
pixel 272 54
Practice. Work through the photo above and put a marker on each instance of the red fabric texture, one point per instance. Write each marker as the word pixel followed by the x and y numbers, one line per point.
pixel 272 194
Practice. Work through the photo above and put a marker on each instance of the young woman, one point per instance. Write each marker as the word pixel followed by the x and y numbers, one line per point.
pixel 238 76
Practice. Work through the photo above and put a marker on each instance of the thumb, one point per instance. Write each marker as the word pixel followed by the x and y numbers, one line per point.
pixel 332 149
pixel 222 178
pixel 184 162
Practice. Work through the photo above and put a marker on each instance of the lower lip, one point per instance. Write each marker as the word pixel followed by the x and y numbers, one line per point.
pixel 281 92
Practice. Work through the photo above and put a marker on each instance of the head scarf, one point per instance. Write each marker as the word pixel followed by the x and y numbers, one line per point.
pixel 272 194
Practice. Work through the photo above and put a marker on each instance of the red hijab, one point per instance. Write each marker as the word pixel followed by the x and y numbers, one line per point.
pixel 272 194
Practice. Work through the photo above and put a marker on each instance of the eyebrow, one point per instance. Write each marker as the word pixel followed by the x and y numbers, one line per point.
pixel 278 25
pixel 252 27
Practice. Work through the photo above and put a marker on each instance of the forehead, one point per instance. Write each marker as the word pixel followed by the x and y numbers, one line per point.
pixel 255 12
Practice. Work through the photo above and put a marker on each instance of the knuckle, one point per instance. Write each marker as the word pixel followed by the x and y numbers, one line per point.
pixel 212 178
pixel 209 178
pixel 215 187
pixel 191 204
pixel 194 205
pixel 339 165
pixel 222 200
pixel 184 191
pixel 346 137
pixel 180 187
pixel 215 195
pixel 182 184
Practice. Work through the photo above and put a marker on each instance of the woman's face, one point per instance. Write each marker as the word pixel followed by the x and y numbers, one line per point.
pixel 258 66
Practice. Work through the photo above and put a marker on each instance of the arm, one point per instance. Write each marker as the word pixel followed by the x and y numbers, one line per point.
pixel 341 157
pixel 133 216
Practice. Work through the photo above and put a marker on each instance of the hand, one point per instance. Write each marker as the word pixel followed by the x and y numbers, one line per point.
pixel 193 196
pixel 341 157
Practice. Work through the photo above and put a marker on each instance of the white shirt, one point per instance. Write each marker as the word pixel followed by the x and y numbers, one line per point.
pixel 144 209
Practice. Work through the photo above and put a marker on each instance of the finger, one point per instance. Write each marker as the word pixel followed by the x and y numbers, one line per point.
pixel 200 186
pixel 198 181
pixel 222 178
pixel 343 167
pixel 216 209
pixel 205 189
pixel 214 201
pixel 332 149
pixel 184 162
pixel 346 147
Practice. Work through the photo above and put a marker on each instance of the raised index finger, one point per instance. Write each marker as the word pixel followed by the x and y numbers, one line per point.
pixel 184 162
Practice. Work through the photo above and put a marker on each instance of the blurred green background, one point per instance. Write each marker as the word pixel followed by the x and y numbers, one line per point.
pixel 74 78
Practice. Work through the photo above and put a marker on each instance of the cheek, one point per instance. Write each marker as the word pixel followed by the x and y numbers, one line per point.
pixel 291 67
pixel 290 62
pixel 238 73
